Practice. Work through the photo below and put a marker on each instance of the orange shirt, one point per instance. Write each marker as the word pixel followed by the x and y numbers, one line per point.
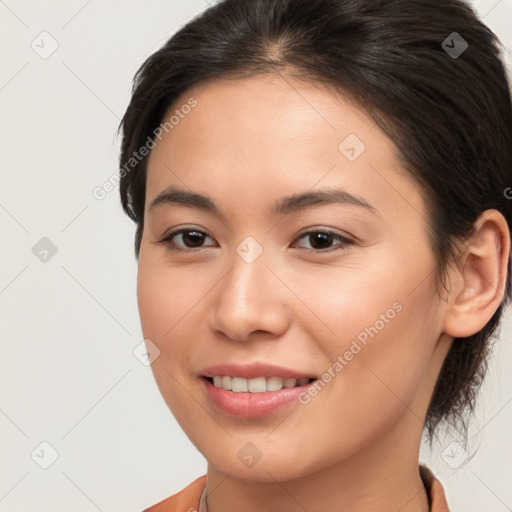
pixel 187 500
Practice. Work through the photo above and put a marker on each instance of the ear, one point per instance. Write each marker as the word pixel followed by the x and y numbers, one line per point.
pixel 480 282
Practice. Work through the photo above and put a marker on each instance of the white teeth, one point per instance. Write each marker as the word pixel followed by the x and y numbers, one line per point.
pixel 274 383
pixel 290 383
pixel 226 383
pixel 256 385
pixel 239 385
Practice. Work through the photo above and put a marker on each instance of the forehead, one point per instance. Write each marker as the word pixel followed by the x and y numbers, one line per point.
pixel 276 112
pixel 270 135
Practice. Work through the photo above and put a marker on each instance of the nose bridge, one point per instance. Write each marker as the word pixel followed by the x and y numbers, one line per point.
pixel 247 300
pixel 250 274
pixel 249 277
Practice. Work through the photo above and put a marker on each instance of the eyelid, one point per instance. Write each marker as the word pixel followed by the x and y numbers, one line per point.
pixel 329 231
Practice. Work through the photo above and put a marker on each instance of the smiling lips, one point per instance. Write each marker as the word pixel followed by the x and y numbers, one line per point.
pixel 253 390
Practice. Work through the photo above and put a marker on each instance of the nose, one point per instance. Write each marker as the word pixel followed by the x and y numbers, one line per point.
pixel 250 301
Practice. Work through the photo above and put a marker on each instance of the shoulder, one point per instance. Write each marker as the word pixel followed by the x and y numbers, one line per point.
pixel 183 501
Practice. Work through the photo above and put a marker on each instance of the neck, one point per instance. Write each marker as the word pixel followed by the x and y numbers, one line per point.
pixel 384 477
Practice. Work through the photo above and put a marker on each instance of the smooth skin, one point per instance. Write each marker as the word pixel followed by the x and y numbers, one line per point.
pixel 354 446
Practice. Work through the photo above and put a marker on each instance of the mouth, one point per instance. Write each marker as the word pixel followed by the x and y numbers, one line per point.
pixel 257 384
pixel 255 389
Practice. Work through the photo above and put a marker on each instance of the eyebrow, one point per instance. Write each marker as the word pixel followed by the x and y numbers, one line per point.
pixel 283 206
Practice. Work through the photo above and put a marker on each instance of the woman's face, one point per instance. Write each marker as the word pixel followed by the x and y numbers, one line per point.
pixel 243 287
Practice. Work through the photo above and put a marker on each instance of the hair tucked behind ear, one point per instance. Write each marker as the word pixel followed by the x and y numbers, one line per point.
pixel 449 116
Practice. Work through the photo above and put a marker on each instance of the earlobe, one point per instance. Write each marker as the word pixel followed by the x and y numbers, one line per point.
pixel 481 280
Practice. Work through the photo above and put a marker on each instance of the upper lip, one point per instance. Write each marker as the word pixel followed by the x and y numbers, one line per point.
pixel 253 370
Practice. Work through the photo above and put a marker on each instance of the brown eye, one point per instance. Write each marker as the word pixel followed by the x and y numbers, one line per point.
pixel 185 239
pixel 192 238
pixel 321 240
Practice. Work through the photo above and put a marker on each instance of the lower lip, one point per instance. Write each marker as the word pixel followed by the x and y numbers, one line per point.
pixel 252 405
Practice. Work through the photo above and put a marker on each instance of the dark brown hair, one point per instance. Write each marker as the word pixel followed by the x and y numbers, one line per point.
pixel 446 107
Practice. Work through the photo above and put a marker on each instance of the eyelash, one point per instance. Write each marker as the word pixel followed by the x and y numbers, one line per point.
pixel 167 240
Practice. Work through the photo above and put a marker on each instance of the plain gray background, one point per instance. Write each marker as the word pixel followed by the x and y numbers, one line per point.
pixel 68 319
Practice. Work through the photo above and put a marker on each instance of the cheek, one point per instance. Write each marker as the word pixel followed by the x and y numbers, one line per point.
pixel 165 296
pixel 156 301
pixel 376 328
pixel 364 300
pixel 163 303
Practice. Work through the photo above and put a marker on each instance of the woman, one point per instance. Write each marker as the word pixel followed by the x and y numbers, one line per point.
pixel 321 190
